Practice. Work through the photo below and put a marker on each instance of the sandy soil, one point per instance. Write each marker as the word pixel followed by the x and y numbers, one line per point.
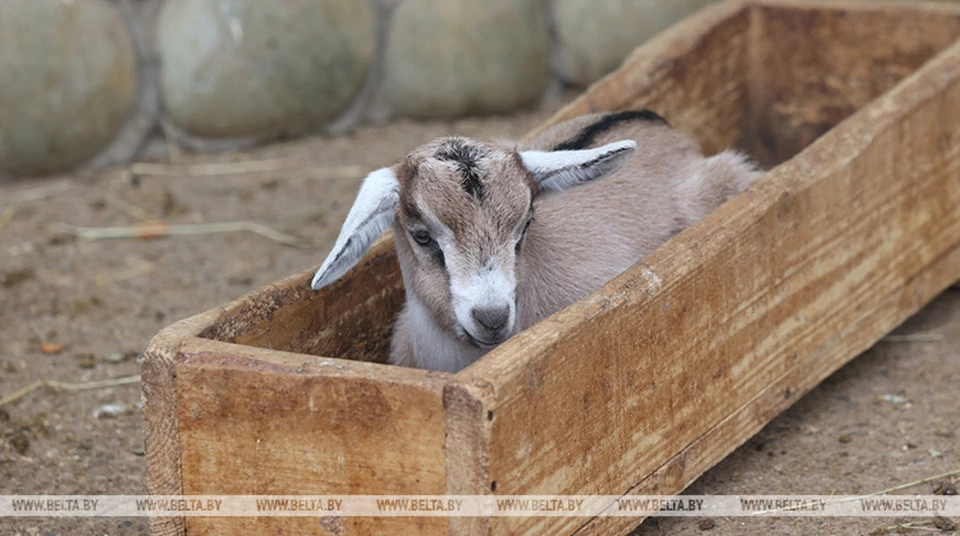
pixel 103 300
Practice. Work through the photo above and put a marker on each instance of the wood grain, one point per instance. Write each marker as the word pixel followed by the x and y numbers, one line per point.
pixel 801 89
pixel 649 382
pixel 161 427
pixel 263 422
pixel 350 319
pixel 780 281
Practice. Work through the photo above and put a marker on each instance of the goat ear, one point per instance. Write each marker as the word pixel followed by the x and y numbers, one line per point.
pixel 371 214
pixel 560 170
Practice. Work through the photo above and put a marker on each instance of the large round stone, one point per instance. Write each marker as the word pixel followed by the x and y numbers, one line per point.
pixel 67 81
pixel 596 35
pixel 456 57
pixel 262 68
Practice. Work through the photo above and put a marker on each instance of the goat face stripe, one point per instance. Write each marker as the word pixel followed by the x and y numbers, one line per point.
pixel 467 159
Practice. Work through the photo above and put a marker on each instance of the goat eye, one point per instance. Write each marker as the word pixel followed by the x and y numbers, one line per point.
pixel 527 226
pixel 523 234
pixel 421 237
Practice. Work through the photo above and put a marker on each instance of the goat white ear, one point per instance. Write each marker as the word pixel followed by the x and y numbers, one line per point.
pixel 560 170
pixel 371 214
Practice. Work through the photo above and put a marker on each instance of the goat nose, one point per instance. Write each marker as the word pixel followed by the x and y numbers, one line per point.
pixel 492 318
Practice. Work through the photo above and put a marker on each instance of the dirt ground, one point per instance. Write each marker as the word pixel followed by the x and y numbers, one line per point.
pixel 888 418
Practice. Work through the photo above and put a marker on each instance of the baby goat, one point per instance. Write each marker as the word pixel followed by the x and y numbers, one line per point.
pixel 492 239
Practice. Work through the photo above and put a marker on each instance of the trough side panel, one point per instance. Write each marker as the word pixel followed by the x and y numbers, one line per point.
pixel 816 63
pixel 351 319
pixel 694 75
pixel 257 422
pixel 695 459
pixel 599 396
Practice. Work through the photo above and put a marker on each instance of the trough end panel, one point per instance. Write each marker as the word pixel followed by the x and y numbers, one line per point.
pixel 468 414
pixel 261 422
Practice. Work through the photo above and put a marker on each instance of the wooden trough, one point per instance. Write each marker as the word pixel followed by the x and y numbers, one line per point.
pixel 650 381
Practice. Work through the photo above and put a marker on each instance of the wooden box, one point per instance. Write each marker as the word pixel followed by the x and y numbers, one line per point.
pixel 650 381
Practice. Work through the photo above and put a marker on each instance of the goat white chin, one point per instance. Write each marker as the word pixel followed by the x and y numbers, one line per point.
pixel 434 347
pixel 479 343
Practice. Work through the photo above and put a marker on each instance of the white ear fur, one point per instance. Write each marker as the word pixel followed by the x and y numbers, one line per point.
pixel 560 170
pixel 371 214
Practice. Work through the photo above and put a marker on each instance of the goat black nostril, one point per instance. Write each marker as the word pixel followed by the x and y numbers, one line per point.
pixel 492 318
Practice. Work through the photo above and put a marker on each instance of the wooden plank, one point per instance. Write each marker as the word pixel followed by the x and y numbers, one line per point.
pixel 161 427
pixel 350 319
pixel 285 315
pixel 767 285
pixel 721 440
pixel 800 89
pixel 262 422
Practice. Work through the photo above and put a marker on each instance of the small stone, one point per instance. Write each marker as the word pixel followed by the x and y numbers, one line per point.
pixel 944 524
pixel 894 399
pixel 16 278
pixel 60 238
pixel 707 524
pixel 240 280
pixel 934 453
pixel 845 438
pixel 448 58
pixel 111 410
pixel 595 36
pixel 945 488
pixel 68 79
pixel 52 347
pixel 120 357
pixel 83 306
pixel 20 442
pixel 87 361
pixel 235 68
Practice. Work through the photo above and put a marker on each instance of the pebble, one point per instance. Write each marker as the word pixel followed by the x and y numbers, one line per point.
pixel 111 410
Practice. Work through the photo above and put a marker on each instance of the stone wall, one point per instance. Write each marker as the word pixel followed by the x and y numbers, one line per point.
pixel 90 80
